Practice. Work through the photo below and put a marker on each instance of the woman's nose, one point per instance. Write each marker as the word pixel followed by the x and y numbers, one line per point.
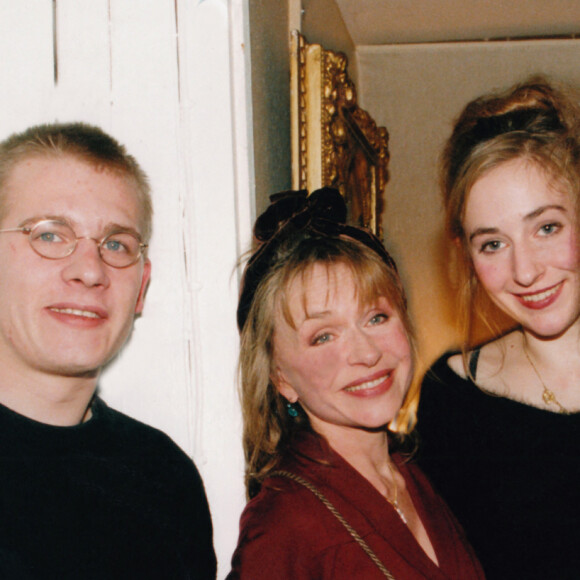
pixel 363 349
pixel 526 265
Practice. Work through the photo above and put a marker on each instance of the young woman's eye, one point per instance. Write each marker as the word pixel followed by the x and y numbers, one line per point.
pixel 490 247
pixel 552 228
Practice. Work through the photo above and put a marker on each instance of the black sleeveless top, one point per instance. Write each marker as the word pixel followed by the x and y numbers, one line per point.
pixel 509 471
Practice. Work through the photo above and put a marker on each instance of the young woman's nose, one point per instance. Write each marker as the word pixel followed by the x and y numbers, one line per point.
pixel 526 265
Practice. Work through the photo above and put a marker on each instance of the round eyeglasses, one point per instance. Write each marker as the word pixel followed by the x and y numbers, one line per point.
pixel 55 240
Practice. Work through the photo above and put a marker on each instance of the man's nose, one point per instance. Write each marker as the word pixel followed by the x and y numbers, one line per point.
pixel 85 264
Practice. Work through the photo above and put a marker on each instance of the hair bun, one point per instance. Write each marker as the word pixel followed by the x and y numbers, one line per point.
pixel 532 120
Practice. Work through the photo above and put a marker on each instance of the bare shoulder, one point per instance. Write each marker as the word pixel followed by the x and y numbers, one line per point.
pixel 455 363
pixel 491 363
pixel 495 362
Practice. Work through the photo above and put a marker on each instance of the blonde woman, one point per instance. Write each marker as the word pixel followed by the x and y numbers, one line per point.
pixel 326 361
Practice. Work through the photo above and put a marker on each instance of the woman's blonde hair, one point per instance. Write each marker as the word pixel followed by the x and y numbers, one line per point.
pixel 268 428
pixel 534 121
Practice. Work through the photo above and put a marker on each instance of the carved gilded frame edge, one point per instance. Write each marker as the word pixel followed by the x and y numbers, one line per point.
pixel 335 143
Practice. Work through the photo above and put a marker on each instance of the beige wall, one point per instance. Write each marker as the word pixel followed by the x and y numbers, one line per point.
pixel 269 44
pixel 417 91
pixel 322 23
pixel 270 26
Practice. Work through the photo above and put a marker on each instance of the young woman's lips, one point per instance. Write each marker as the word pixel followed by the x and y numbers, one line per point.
pixel 372 386
pixel 542 299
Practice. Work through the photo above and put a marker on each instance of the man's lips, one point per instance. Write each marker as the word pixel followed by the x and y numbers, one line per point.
pixel 87 312
pixel 538 300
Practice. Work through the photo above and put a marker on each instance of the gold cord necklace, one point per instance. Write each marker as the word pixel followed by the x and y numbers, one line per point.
pixel 395 501
pixel 548 395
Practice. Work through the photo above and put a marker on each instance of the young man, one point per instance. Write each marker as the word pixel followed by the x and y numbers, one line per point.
pixel 85 492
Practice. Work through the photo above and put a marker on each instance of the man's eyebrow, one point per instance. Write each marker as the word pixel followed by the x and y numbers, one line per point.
pixel 40 218
pixel 114 228
pixel 110 228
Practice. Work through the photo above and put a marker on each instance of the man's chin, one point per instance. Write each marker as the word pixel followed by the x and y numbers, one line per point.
pixel 76 370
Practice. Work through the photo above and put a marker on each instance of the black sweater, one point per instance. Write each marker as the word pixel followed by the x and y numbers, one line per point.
pixel 510 473
pixel 108 499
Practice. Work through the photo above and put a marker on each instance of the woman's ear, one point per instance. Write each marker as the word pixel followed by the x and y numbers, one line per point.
pixel 283 386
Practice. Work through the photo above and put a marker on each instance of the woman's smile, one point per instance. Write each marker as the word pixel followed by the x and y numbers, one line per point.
pixel 369 388
pixel 541 299
pixel 523 242
pixel 347 363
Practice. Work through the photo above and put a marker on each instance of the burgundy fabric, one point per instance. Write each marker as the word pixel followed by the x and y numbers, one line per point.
pixel 287 533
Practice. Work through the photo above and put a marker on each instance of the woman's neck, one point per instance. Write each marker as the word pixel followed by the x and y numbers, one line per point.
pixel 555 362
pixel 547 350
pixel 366 451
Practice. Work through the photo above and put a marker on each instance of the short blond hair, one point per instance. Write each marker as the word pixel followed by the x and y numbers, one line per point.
pixel 85 142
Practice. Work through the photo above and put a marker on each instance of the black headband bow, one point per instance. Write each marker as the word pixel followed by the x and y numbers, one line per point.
pixel 323 213
pixel 297 210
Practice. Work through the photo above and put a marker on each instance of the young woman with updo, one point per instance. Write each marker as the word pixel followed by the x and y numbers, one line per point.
pixel 499 422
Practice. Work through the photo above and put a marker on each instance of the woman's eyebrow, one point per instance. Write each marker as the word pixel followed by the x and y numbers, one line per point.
pixel 482 232
pixel 542 209
pixel 317 314
pixel 530 216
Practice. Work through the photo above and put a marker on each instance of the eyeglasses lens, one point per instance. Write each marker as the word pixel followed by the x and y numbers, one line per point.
pixel 55 240
pixel 52 239
pixel 120 250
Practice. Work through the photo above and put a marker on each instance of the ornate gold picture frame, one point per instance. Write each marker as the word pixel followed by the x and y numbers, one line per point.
pixel 334 142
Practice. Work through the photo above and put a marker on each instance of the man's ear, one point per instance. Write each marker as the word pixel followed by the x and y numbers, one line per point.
pixel 143 289
pixel 278 379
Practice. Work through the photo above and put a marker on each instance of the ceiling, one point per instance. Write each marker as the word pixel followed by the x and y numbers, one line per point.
pixel 415 21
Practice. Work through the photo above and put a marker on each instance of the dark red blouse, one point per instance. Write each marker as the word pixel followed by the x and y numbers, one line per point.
pixel 286 532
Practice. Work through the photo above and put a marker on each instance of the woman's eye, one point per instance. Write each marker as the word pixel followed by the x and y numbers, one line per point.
pixel 321 338
pixel 491 246
pixel 548 229
pixel 378 319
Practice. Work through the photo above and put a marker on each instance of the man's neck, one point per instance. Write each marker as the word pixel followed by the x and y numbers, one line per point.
pixel 50 399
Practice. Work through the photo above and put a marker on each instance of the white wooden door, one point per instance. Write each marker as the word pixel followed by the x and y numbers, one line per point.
pixel 167 78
